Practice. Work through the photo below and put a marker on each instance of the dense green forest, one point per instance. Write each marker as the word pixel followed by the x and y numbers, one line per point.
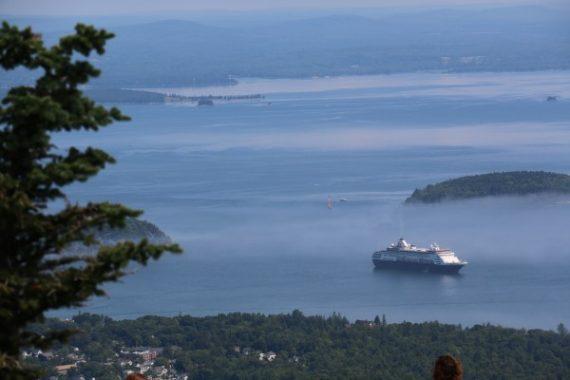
pixel 493 184
pixel 308 347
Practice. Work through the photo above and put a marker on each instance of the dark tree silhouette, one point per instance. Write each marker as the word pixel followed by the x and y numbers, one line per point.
pixel 36 274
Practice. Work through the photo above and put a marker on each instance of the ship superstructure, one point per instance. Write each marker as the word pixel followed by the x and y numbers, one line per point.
pixel 407 256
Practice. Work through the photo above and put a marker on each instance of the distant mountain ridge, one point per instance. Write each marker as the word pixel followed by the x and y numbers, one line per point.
pixel 493 184
pixel 186 53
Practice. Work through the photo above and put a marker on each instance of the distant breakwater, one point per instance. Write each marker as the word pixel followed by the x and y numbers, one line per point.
pixel 173 98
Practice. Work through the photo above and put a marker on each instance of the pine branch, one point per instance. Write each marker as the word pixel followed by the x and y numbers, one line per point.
pixel 35 274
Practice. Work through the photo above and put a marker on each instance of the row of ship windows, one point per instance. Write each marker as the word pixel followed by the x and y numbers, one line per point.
pixel 413 259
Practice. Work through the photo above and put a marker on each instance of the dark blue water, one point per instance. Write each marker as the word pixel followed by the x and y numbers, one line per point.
pixel 520 295
pixel 244 187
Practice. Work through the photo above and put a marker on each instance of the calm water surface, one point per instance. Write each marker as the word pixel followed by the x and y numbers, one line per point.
pixel 243 187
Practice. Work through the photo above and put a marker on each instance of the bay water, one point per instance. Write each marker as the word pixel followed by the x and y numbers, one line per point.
pixel 243 187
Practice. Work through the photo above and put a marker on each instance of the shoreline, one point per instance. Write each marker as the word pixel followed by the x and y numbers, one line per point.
pixel 410 80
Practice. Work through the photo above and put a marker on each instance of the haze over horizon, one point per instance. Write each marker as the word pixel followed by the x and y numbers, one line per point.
pixel 108 7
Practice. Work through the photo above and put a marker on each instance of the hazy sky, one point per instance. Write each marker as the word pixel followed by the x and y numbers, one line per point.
pixel 109 7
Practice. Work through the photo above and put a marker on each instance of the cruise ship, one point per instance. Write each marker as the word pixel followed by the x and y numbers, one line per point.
pixel 407 256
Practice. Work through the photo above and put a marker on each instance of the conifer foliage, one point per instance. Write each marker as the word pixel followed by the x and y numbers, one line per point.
pixel 37 221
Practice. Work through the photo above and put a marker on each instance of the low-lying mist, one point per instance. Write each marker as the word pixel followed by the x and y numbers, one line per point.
pixel 523 230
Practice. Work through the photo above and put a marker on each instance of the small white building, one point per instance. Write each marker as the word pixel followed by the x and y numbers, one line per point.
pixel 271 356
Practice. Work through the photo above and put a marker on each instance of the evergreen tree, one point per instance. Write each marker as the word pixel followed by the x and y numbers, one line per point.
pixel 36 274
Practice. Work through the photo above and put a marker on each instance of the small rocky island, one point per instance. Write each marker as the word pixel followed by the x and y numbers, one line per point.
pixel 134 230
pixel 493 184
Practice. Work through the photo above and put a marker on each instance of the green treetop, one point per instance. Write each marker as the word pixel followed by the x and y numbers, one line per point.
pixel 36 275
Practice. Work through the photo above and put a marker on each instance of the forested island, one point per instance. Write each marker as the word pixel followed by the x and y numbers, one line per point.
pixel 123 95
pixel 493 184
pixel 134 230
pixel 295 346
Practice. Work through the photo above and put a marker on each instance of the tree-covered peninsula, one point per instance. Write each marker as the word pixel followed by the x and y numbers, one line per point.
pixel 493 184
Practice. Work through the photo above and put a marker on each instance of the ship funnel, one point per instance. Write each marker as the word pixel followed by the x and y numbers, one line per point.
pixel 403 244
